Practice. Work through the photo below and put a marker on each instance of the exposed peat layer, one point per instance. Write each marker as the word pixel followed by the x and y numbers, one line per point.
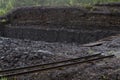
pixel 42 29
pixel 62 24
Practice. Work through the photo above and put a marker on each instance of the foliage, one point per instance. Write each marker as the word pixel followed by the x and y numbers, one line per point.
pixel 3 79
pixel 6 5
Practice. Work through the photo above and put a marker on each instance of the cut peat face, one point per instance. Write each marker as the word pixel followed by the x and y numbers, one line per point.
pixel 65 24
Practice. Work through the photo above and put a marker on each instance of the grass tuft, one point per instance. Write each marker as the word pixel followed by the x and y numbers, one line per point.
pixel 3 79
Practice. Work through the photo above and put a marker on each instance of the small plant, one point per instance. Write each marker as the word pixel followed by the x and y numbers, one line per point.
pixel 5 6
pixel 103 77
pixel 111 52
pixel 3 21
pixel 3 79
pixel 90 51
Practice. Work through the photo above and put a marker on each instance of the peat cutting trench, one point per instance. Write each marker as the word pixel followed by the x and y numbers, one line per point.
pixel 35 35
pixel 64 24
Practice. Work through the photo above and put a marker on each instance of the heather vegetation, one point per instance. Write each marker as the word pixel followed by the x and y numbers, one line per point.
pixel 6 5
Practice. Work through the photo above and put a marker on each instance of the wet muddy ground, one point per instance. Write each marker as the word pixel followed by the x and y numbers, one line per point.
pixel 19 53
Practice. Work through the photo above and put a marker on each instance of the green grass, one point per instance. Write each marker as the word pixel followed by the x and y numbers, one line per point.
pixel 6 5
pixel 3 79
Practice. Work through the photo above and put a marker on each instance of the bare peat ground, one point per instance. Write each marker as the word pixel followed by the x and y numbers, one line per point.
pixel 19 53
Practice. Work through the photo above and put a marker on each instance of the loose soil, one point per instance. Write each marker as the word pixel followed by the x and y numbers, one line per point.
pixel 19 53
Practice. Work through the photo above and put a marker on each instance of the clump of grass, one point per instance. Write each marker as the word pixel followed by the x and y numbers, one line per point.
pixel 2 11
pixel 6 6
pixel 3 79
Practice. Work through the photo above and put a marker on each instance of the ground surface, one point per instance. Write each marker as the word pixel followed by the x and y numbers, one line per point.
pixel 19 53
